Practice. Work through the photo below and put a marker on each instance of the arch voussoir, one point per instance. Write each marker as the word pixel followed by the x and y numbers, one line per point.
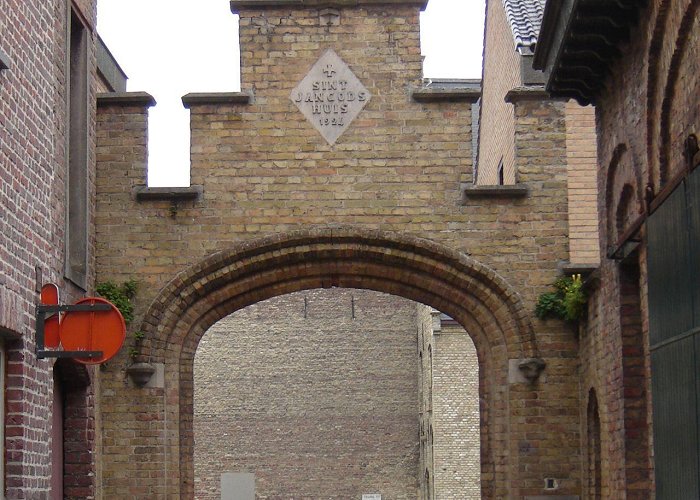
pixel 402 264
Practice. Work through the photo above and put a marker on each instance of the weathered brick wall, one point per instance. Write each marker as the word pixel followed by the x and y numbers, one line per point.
pixel 581 158
pixel 456 418
pixel 265 170
pixel 315 392
pixel 450 421
pixel 643 117
pixel 32 207
pixel 501 73
pixel 424 321
pixel 540 138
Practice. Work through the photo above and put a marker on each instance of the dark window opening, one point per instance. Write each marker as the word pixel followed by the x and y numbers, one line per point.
pixel 593 430
pixel 500 173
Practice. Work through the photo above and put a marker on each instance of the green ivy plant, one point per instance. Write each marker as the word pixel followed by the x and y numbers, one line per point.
pixel 120 295
pixel 567 301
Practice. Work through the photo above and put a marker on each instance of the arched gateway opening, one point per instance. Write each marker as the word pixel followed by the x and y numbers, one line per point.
pixel 335 393
pixel 413 268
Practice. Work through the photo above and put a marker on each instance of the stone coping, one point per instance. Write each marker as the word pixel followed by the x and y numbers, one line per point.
pixel 570 268
pixel 145 193
pixel 109 68
pixel 4 60
pixel 506 191
pixel 205 98
pixel 536 92
pixel 433 94
pixel 125 99
pixel 237 5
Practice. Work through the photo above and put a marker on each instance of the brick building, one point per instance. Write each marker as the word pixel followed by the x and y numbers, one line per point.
pixel 51 65
pixel 638 63
pixel 446 470
pixel 510 37
pixel 278 204
pixel 314 392
pixel 375 394
pixel 449 413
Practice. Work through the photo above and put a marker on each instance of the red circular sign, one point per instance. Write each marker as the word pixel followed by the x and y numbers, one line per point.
pixel 93 331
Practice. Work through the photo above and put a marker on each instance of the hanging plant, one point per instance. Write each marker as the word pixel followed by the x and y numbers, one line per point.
pixel 566 302
pixel 120 295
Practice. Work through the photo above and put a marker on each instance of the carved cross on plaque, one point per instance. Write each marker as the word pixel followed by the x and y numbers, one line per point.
pixel 329 71
pixel 330 96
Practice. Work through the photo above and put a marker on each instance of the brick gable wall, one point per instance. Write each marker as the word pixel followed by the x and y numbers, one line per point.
pixel 501 73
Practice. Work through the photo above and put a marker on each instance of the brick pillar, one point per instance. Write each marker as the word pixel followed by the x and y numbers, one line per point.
pixel 133 440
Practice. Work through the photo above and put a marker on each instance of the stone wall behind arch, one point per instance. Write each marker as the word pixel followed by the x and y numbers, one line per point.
pixel 314 402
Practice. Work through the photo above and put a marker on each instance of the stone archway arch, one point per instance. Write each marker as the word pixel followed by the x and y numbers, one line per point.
pixel 414 268
pixel 402 264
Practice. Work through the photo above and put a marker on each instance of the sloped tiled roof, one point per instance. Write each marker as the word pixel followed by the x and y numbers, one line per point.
pixel 525 18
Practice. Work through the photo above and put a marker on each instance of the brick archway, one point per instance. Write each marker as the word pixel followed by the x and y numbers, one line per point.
pixel 417 269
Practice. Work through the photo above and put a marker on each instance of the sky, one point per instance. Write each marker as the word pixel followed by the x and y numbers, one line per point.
pixel 169 48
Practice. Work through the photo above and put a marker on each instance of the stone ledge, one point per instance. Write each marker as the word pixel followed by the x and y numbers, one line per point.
pixel 445 94
pixel 4 60
pixel 237 5
pixel 204 98
pixel 145 193
pixel 570 268
pixel 507 191
pixel 125 99
pixel 529 93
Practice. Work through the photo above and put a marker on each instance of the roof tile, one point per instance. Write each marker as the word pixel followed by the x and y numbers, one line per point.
pixel 524 17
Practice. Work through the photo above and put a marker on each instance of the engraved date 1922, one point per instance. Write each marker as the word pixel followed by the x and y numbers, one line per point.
pixel 331 121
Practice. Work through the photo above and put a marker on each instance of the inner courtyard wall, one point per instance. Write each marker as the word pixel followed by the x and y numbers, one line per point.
pixel 456 444
pixel 314 392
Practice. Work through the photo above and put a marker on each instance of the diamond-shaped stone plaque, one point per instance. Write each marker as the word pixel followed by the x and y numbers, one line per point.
pixel 330 96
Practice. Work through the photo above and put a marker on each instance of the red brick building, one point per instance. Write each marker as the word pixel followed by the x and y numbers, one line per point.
pixel 51 64
pixel 638 62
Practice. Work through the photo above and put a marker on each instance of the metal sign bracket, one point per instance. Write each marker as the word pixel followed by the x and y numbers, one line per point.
pixel 41 312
